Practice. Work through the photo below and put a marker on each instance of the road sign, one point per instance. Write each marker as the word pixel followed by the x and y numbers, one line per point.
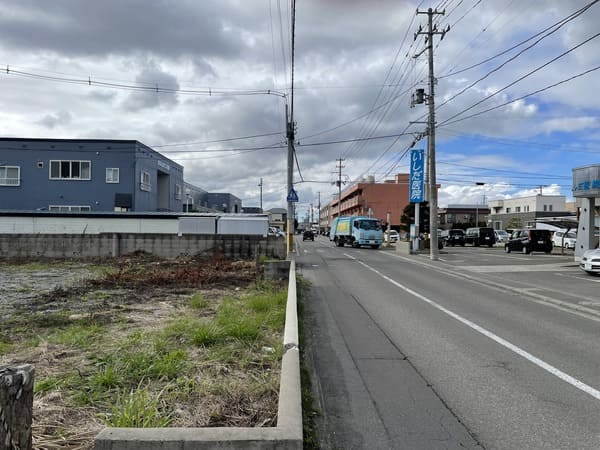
pixel 292 196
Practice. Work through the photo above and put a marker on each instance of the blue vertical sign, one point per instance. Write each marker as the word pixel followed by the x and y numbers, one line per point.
pixel 417 176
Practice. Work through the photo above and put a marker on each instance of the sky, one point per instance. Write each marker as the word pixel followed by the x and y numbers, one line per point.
pixel 208 83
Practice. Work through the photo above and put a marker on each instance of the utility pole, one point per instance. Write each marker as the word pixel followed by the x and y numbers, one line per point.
pixel 290 181
pixel 433 197
pixel 339 183
pixel 319 214
pixel 260 185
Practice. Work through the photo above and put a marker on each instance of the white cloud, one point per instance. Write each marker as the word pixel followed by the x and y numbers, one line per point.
pixel 570 124
pixel 347 80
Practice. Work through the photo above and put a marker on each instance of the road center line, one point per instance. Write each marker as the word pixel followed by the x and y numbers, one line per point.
pixel 519 351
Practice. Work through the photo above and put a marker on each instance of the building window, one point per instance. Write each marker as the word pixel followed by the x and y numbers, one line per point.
pixel 10 176
pixel 145 181
pixel 112 175
pixel 507 210
pixel 178 191
pixel 545 207
pixel 517 209
pixel 549 207
pixel 68 208
pixel 70 170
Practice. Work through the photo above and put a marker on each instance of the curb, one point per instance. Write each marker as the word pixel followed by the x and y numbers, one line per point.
pixel 286 435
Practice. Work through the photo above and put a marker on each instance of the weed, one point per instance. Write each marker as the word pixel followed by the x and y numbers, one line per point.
pixel 107 378
pixel 197 301
pixel 46 385
pixel 137 409
pixel 5 347
pixel 207 334
pixel 78 335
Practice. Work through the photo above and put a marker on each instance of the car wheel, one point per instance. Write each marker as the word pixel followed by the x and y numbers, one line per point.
pixel 506 249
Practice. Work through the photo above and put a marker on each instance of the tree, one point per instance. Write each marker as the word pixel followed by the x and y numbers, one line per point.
pixel 408 217
pixel 513 223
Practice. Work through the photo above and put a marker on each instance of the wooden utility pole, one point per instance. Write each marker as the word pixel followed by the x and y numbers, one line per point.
pixel 16 407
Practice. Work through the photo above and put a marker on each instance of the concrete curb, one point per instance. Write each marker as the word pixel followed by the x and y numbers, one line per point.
pixel 286 435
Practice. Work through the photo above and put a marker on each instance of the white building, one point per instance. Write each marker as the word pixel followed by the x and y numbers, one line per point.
pixel 523 212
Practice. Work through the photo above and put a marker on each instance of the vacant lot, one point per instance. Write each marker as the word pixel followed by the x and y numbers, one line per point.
pixel 143 342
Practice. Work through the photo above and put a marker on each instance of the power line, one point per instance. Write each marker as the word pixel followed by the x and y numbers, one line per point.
pixel 462 91
pixel 448 122
pixel 216 140
pixel 560 23
pixel 138 87
pixel 537 69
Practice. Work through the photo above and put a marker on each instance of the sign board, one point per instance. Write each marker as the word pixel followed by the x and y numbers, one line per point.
pixel 292 196
pixel 586 181
pixel 417 176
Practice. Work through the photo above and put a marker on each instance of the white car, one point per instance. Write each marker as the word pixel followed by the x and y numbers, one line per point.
pixel 393 236
pixel 564 239
pixel 590 261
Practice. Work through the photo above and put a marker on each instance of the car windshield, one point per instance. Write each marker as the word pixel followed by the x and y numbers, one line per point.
pixel 369 225
pixel 571 235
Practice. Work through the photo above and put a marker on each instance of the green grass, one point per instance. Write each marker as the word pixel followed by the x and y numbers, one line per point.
pixel 197 301
pixel 137 409
pixel 47 384
pixel 77 335
pixel 5 347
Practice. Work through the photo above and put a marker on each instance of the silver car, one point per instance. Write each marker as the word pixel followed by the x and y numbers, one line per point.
pixel 590 261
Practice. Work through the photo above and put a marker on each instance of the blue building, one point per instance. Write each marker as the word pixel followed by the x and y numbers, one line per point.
pixel 79 175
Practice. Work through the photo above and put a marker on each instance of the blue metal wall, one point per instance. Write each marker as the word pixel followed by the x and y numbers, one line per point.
pixel 37 191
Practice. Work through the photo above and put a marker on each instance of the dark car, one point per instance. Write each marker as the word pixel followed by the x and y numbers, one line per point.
pixel 308 234
pixel 527 241
pixel 455 237
pixel 480 236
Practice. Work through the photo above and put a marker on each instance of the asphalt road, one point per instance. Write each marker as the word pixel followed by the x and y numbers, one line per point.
pixel 480 349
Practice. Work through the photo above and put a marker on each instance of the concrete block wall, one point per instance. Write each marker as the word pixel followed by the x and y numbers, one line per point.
pixel 117 244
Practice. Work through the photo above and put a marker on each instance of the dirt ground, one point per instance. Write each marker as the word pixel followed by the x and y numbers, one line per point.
pixel 136 293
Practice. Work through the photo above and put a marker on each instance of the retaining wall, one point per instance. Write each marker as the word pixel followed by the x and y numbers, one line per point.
pixel 116 244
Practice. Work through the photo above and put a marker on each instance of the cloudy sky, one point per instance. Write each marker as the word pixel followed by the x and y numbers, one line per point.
pixel 207 82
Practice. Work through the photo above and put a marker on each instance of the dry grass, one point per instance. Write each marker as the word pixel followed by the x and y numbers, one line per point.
pixel 132 340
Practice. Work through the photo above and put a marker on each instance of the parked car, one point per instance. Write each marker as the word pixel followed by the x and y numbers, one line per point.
pixel 392 236
pixel 480 236
pixel 564 239
pixel 501 236
pixel 527 241
pixel 590 261
pixel 274 231
pixel 455 237
pixel 308 234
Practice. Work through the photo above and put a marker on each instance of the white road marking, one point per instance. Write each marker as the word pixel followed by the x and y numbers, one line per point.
pixel 581 277
pixel 557 267
pixel 519 351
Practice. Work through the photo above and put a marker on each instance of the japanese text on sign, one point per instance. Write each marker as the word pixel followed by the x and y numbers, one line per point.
pixel 417 175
